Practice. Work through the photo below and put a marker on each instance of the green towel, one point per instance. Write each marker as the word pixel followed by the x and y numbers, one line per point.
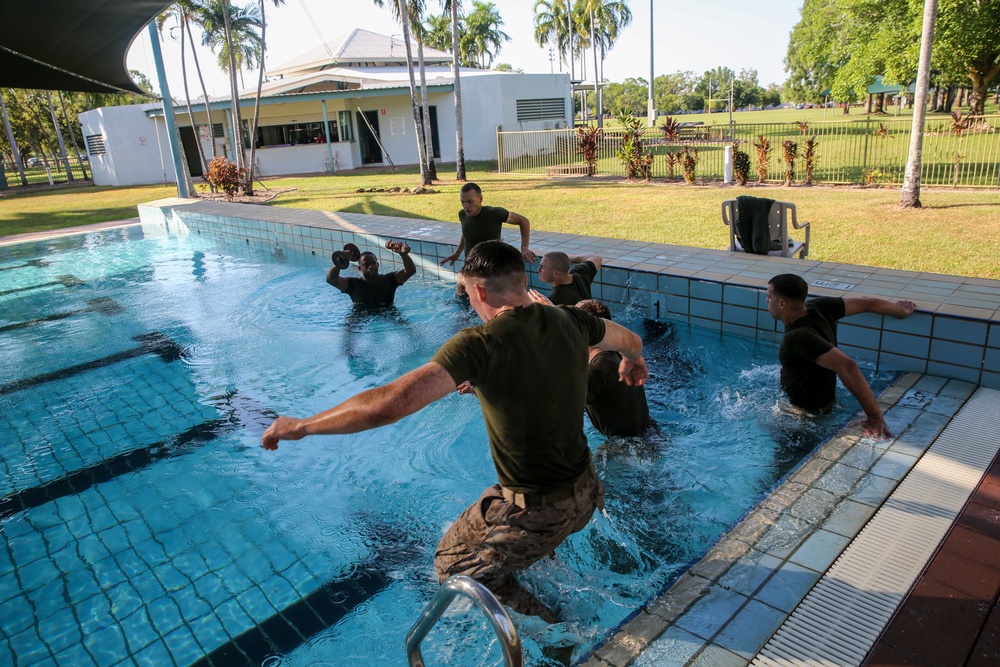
pixel 752 228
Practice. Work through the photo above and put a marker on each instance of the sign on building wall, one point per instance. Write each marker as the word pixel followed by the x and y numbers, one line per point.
pixel 397 127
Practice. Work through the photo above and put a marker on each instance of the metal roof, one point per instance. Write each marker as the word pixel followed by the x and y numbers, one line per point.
pixel 71 44
pixel 357 47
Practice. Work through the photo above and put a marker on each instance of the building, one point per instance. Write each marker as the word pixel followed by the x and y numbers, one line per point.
pixel 343 105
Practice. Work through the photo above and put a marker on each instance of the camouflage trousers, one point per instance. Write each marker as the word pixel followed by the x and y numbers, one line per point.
pixel 495 537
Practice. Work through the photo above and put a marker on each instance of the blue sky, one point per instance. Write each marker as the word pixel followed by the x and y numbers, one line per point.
pixel 693 36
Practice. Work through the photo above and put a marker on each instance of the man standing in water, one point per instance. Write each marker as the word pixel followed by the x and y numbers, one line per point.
pixel 484 223
pixel 373 288
pixel 529 365
pixel 810 359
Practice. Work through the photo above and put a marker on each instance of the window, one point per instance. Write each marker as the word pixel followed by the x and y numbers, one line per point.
pixel 217 131
pixel 295 134
pixel 95 144
pixel 550 108
pixel 346 128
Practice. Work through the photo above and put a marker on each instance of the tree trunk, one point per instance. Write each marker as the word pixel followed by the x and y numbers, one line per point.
pixel 187 100
pixel 72 136
pixel 949 99
pixel 204 91
pixel 868 103
pixel 59 136
pixel 256 101
pixel 597 84
pixel 981 78
pixel 241 158
pixel 12 141
pixel 424 176
pixel 459 142
pixel 910 195
pixel 428 138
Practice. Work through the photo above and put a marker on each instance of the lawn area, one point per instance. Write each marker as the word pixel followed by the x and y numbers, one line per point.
pixel 955 233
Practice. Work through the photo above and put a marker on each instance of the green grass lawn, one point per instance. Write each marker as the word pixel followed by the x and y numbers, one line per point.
pixel 954 233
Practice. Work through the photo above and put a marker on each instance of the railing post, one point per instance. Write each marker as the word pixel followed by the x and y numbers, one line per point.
pixel 864 150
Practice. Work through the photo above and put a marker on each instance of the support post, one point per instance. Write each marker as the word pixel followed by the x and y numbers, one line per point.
pixel 173 138
pixel 326 133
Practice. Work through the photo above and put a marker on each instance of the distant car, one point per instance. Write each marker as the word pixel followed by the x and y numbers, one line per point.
pixel 34 162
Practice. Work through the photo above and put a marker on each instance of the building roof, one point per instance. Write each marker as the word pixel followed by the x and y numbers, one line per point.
pixel 71 44
pixel 356 48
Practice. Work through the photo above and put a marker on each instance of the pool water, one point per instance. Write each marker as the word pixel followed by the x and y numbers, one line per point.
pixel 143 524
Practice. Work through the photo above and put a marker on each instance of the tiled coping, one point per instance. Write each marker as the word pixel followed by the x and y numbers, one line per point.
pixel 955 332
pixel 728 604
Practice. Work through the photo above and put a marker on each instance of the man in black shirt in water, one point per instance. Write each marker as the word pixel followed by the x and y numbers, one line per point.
pixel 569 285
pixel 373 288
pixel 810 360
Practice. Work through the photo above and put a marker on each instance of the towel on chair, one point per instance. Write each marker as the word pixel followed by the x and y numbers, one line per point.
pixel 752 227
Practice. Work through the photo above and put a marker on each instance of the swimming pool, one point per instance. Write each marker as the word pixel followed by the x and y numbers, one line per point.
pixel 143 523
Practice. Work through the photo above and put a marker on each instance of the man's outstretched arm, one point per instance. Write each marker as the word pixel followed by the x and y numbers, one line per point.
pixel 595 259
pixel 369 409
pixel 633 368
pixel 526 252
pixel 870 304
pixel 409 268
pixel 450 259
pixel 334 278
pixel 849 373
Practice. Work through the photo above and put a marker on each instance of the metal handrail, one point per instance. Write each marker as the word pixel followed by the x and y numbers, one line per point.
pixel 461 585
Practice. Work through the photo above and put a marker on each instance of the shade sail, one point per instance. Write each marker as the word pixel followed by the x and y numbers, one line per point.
pixel 71 44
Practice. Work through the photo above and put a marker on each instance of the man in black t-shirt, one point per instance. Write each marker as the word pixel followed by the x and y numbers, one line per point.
pixel 614 407
pixel 373 288
pixel 529 366
pixel 810 359
pixel 569 286
pixel 484 223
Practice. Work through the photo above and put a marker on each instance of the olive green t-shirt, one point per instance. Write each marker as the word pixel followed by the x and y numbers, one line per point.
pixel 809 385
pixel 615 408
pixel 529 367
pixel 570 294
pixel 486 226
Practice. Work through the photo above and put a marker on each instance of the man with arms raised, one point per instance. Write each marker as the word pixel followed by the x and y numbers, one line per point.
pixel 529 365
pixel 810 359
pixel 373 288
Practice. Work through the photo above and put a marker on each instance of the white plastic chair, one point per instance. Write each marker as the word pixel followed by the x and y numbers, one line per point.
pixel 781 214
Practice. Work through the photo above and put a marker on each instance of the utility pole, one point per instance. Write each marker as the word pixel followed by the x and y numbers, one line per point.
pixel 552 58
pixel 651 103
pixel 710 95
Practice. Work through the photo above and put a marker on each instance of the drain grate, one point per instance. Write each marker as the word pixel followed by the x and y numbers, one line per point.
pixel 838 622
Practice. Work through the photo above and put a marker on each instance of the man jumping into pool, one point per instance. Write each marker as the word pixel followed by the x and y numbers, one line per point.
pixel 372 288
pixel 810 359
pixel 529 365
pixel 484 223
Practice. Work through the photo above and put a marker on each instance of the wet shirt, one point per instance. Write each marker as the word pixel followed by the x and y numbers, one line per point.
pixel 614 407
pixel 809 385
pixel 483 227
pixel 529 367
pixel 573 293
pixel 382 292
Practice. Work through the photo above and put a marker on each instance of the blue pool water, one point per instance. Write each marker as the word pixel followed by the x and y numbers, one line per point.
pixel 142 523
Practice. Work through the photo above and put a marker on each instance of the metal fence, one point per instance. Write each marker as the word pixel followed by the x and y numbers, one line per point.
pixel 39 172
pixel 869 151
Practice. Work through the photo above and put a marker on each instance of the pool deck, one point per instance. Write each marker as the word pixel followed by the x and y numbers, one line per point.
pixel 738 603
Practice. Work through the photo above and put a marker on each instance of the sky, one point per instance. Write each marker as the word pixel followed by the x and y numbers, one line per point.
pixel 738 34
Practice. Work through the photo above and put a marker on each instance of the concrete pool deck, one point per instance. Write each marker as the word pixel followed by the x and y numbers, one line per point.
pixel 749 586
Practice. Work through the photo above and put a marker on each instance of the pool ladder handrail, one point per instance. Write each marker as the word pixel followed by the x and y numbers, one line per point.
pixel 461 585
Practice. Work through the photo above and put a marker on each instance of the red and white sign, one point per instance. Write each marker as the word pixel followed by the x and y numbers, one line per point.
pixel 383 112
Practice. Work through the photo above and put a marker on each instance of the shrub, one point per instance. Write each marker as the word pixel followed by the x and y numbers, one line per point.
pixel 790 151
pixel 672 159
pixel 671 129
pixel 810 157
pixel 589 141
pixel 803 126
pixel 689 161
pixel 638 164
pixel 225 176
pixel 763 146
pixel 741 164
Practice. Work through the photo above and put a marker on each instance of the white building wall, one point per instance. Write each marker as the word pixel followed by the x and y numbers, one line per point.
pixel 136 146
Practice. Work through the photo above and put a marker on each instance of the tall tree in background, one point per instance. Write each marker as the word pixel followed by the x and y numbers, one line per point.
pixel 260 84
pixel 12 140
pixel 417 26
pixel 910 197
pixel 552 27
pixel 605 20
pixel 483 37
pixel 177 12
pixel 452 6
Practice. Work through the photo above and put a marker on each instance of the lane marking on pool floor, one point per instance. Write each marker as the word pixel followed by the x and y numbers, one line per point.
pixel 840 619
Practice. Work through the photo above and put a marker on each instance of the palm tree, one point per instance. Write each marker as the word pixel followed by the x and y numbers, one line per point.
pixel 177 11
pixel 483 36
pixel 11 140
pixel 232 32
pixel 417 23
pixel 910 196
pixel 551 26
pixel 260 85
pixel 605 19
pixel 193 14
pixel 459 140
